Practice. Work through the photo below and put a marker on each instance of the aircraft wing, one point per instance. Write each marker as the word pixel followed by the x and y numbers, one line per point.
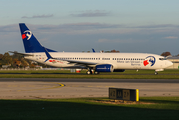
pixel 24 54
pixel 80 62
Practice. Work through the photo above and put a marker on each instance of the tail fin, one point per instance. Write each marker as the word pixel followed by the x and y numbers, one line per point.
pixel 31 44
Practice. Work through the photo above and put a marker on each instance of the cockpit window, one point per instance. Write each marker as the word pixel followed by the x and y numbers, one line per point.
pixel 162 59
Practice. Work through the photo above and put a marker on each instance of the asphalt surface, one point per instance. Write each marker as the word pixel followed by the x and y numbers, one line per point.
pixel 39 88
pixel 90 80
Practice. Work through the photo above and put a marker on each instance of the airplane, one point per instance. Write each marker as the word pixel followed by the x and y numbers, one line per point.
pixel 93 62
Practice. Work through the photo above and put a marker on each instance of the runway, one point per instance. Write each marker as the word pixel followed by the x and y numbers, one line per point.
pixel 39 88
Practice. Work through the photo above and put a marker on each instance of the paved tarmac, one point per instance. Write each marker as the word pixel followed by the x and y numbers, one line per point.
pixel 39 88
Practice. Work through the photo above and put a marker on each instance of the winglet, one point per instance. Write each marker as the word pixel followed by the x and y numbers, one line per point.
pixel 93 50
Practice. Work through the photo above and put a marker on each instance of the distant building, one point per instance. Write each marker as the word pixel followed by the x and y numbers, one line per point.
pixel 6 66
pixel 112 51
pixel 175 61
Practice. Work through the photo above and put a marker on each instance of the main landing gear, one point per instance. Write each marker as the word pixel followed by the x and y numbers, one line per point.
pixel 91 72
pixel 96 72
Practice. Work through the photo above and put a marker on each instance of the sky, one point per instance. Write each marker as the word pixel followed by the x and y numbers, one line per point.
pixel 141 26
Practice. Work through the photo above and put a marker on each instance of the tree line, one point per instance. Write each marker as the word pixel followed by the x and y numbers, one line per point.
pixel 16 61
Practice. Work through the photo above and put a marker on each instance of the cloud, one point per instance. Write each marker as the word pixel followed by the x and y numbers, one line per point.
pixel 90 25
pixel 95 28
pixel 73 28
pixel 171 37
pixel 103 40
pixel 83 36
pixel 117 41
pixel 157 26
pixel 9 28
pixel 39 16
pixel 90 13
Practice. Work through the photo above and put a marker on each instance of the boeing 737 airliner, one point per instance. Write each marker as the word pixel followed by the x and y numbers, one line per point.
pixel 97 62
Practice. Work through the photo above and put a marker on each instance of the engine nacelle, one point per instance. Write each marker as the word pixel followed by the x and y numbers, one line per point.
pixel 104 68
pixel 118 70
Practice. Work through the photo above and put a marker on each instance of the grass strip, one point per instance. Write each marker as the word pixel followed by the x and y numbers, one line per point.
pixel 83 76
pixel 165 108
pixel 129 74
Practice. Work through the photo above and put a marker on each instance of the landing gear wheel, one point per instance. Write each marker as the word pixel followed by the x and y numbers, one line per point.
pixel 156 73
pixel 96 72
pixel 88 72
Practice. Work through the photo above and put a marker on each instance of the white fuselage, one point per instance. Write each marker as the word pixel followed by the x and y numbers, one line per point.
pixel 117 60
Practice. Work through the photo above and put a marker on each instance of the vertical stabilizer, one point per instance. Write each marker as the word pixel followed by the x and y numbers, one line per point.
pixel 31 44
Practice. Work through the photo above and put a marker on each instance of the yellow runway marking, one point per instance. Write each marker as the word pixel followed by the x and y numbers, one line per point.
pixel 87 86
pixel 48 87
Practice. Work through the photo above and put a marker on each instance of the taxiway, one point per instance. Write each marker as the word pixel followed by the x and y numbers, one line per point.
pixel 34 88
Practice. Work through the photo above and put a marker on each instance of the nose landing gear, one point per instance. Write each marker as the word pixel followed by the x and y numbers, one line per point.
pixel 156 73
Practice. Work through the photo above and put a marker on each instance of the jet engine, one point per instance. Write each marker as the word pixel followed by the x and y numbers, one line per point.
pixel 104 68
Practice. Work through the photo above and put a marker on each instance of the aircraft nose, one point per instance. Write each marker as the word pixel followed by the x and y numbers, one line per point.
pixel 168 63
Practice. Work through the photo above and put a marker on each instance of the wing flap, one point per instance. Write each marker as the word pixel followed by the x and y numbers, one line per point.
pixel 80 62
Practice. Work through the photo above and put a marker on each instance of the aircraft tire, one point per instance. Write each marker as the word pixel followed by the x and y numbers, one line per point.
pixel 156 73
pixel 88 72
pixel 96 73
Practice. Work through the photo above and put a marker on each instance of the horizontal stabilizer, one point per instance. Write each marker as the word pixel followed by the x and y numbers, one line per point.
pixel 24 54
